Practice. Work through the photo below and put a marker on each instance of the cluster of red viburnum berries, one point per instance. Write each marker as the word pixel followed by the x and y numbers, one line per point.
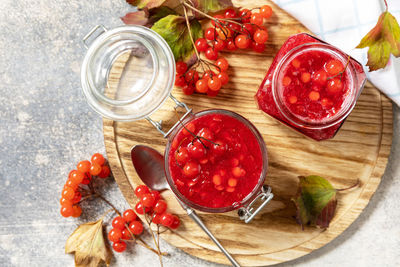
pixel 230 30
pixel 71 194
pixel 150 204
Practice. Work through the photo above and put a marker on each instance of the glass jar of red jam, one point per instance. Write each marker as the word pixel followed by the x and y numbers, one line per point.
pixel 216 161
pixel 311 86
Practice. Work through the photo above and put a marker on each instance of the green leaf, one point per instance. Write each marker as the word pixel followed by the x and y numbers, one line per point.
pixel 382 40
pixel 315 201
pixel 147 17
pixel 146 3
pixel 212 5
pixel 174 30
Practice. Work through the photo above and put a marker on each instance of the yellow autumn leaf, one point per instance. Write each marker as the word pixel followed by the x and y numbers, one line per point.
pixel 87 242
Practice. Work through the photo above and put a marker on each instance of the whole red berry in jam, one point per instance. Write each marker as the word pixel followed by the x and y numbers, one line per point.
pixel 334 67
pixel 98 158
pixel 129 215
pixel 119 246
pixel 182 155
pixel 334 86
pixel 211 53
pixel 95 169
pixel 160 207
pixel 148 200
pixel 266 11
pixel 206 134
pixel 320 77
pixel 141 190
pixel 242 41
pixel 118 223
pixel 136 227
pixel 196 150
pixel 181 67
pixel 167 219
pixel 201 45
pixel 114 235
pixel 191 169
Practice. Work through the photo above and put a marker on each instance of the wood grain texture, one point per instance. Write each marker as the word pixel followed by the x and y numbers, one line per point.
pixel 359 151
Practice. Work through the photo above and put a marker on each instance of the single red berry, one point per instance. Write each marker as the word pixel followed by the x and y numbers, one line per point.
pixel 156 219
pixel 181 67
pixel 222 64
pixel 140 209
pixel 68 193
pixel 230 13
pixel 245 14
pixel 191 76
pixel 98 158
pixel 160 207
pixel 175 224
pixel 219 44
pixel 83 166
pixel 71 184
pixel 248 29
pixel 129 215
pixel 182 155
pixel 156 195
pixel 259 48
pixel 148 200
pixel 141 190
pixel 114 235
pixel 188 89
pixel 334 67
pixel 210 34
pixel 234 27
pixel 230 45
pixel 334 86
pixel 65 202
pixel 260 36
pixel 77 176
pixel 214 83
pixel 266 11
pixel 223 76
pixel 95 169
pixel 76 211
pixel 191 169
pixel 126 235
pixel 87 178
pixel 180 80
pixel 256 19
pixel 167 219
pixel 119 246
pixel 320 77
pixel 211 53
pixel 105 171
pixel 67 210
pixel 136 227
pixel 77 197
pixel 201 86
pixel 242 41
pixel 217 23
pixel 206 133
pixel 196 150
pixel 118 223
pixel 201 45
pixel 207 74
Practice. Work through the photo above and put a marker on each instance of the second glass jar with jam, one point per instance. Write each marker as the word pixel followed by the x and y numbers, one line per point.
pixel 311 86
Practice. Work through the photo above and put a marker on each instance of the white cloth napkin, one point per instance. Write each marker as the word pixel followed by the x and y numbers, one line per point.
pixel 343 23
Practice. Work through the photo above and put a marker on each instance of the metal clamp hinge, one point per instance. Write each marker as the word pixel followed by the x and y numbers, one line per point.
pixel 246 213
pixel 158 125
pixel 93 30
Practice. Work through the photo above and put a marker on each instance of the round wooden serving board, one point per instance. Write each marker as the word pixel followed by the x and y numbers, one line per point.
pixel 359 151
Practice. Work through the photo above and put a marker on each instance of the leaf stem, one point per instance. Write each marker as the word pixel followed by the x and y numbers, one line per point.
pixel 386 4
pixel 190 31
pixel 350 187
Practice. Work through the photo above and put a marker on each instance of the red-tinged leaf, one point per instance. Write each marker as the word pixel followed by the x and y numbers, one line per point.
pixel 174 30
pixel 147 17
pixel 212 5
pixel 382 40
pixel 146 3
pixel 136 18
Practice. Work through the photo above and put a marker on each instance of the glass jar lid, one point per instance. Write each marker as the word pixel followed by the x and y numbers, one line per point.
pixel 127 73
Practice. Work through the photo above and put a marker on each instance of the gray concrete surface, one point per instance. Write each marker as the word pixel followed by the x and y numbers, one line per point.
pixel 46 127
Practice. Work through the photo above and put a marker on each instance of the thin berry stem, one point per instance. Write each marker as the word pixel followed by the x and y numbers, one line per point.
pixel 190 31
pixel 386 4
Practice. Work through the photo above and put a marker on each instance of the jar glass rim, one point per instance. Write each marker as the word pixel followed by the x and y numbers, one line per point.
pixel 349 101
pixel 264 155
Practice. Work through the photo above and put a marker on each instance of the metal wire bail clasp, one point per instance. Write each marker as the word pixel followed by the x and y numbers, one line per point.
pixel 178 104
pixel 246 213
pixel 93 30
